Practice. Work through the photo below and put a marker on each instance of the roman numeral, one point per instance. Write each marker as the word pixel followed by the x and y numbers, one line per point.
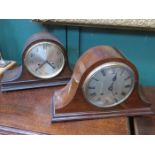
pixel 103 72
pixel 127 86
pixel 102 94
pixel 123 93
pixel 106 102
pixel 98 99
pixel 127 78
pixel 91 87
pixel 92 94
pixel 31 55
pixel 95 79
pixel 115 99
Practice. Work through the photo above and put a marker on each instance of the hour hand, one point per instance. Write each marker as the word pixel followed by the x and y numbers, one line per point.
pixel 40 65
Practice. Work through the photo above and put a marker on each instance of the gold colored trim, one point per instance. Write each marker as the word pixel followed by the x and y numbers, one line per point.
pixel 52 75
pixel 108 65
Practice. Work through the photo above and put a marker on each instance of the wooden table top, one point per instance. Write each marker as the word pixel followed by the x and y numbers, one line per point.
pixel 28 112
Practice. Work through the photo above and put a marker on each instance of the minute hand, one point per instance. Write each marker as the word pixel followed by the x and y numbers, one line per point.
pixel 50 64
pixel 113 80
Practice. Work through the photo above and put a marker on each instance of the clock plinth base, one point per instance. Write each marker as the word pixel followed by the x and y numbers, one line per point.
pixel 95 115
pixel 79 109
pixel 20 79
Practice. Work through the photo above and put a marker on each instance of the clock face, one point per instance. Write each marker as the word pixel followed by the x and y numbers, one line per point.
pixel 44 60
pixel 109 84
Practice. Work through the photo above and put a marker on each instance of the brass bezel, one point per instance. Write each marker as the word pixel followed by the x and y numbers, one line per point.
pixel 108 65
pixel 40 76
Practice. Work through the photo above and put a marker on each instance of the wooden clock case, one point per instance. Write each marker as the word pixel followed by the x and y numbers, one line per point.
pixel 69 103
pixel 20 78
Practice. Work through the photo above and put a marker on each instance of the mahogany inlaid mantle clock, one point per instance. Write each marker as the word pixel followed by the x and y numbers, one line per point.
pixel 103 84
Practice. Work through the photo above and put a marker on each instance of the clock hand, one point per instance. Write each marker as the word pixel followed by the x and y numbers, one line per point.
pixel 50 64
pixel 112 84
pixel 114 78
pixel 111 87
pixel 41 65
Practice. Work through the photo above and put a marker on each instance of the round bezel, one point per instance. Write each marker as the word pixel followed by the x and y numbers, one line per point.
pixel 103 66
pixel 44 76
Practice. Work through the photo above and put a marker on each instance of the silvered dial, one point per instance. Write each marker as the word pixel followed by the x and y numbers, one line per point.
pixel 44 60
pixel 109 84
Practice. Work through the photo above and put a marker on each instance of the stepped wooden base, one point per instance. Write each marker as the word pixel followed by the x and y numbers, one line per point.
pixel 17 79
pixel 79 109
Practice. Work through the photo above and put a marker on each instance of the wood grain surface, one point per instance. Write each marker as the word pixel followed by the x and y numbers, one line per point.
pixel 28 112
pixel 70 103
pixel 146 125
pixel 21 78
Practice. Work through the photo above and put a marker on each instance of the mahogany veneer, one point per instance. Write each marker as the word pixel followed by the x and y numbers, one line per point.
pixel 69 103
pixel 146 125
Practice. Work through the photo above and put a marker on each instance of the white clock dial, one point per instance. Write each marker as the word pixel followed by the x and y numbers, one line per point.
pixel 109 84
pixel 44 60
